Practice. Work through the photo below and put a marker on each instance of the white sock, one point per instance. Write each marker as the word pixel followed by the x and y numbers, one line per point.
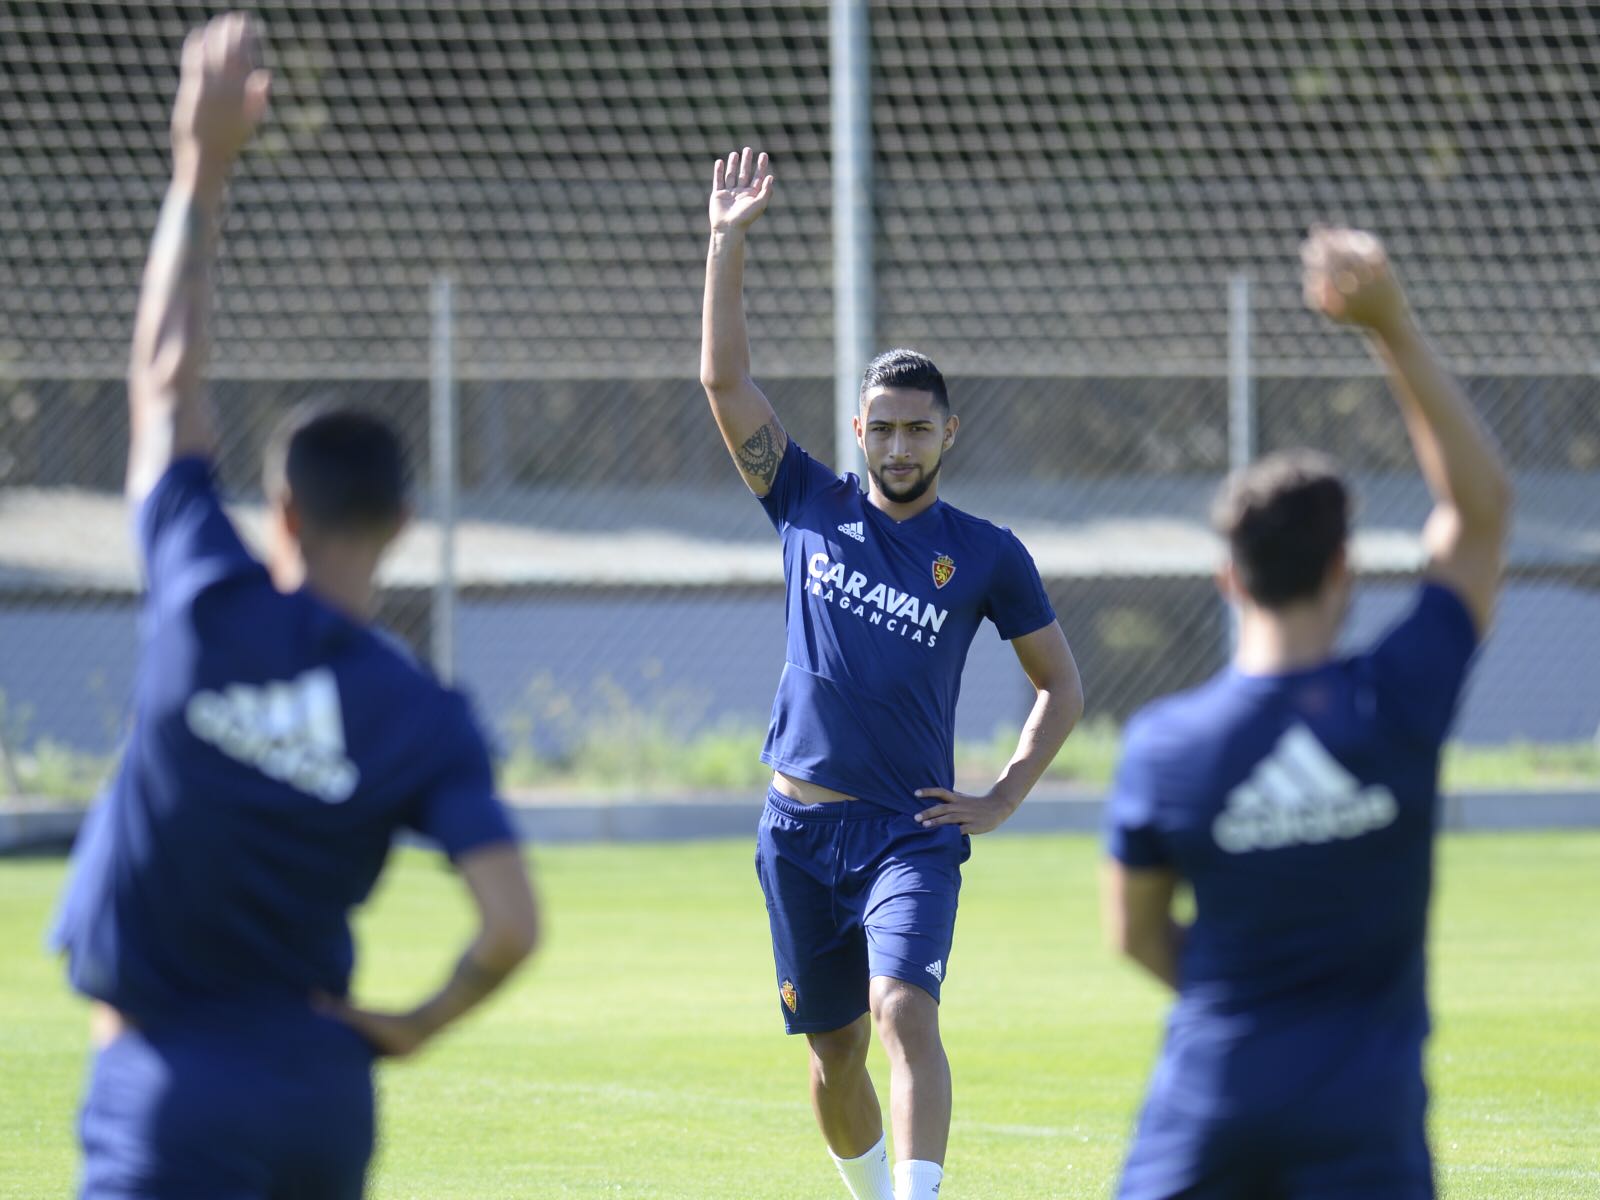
pixel 917 1179
pixel 867 1177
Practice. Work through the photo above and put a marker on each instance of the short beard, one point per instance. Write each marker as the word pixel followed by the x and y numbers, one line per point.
pixel 916 490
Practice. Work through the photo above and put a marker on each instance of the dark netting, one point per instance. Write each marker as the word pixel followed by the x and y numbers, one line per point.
pixel 553 157
pixel 1067 186
pixel 1062 192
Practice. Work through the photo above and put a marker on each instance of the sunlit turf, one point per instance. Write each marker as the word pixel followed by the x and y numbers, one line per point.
pixel 642 1055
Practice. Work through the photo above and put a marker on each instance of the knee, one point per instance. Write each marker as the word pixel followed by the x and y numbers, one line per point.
pixel 840 1052
pixel 907 1017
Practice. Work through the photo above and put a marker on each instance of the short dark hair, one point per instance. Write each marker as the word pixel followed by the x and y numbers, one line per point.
pixel 1286 519
pixel 902 368
pixel 344 468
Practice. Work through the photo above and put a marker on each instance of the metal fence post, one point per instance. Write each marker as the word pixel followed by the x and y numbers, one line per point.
pixel 849 53
pixel 1241 402
pixel 13 780
pixel 442 461
pixel 1241 395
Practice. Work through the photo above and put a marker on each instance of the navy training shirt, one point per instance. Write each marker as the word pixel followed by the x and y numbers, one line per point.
pixel 277 746
pixel 1301 810
pixel 880 614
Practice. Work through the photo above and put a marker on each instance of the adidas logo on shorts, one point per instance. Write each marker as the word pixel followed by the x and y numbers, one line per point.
pixel 936 969
pixel 854 529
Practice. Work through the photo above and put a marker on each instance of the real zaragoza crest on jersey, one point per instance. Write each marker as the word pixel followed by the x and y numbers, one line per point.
pixel 943 567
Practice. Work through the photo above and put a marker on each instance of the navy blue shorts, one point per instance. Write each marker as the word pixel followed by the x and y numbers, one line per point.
pixel 854 891
pixel 270 1109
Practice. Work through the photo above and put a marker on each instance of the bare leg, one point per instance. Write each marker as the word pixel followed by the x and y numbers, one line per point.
pixel 919 1072
pixel 841 1090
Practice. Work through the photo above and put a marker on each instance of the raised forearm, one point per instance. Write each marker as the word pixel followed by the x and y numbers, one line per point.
pixel 171 339
pixel 725 342
pixel 1458 458
pixel 745 419
pixel 222 96
pixel 749 427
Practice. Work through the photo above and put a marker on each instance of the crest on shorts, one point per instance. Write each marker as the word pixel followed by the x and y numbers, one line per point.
pixel 943 567
pixel 791 998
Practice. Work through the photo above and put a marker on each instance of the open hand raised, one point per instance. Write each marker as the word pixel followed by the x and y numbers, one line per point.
pixel 222 94
pixel 739 194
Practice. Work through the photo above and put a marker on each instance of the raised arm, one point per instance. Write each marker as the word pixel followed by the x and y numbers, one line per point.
pixel 749 426
pixel 1348 279
pixel 222 95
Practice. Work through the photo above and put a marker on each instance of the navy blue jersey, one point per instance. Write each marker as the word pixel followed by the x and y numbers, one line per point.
pixel 277 746
pixel 880 614
pixel 1301 809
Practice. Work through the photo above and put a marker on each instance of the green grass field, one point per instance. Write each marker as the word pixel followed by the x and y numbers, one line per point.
pixel 642 1055
pixel 641 756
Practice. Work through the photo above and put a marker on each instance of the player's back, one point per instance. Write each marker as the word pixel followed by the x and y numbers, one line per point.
pixel 1300 808
pixel 277 746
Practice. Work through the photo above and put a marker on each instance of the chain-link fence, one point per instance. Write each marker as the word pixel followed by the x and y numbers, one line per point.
pixel 1062 192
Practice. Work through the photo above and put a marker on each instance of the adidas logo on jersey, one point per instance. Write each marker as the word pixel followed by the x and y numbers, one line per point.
pixel 936 969
pixel 1300 795
pixel 854 529
pixel 292 732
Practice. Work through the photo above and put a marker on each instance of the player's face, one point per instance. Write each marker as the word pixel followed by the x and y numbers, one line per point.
pixel 904 437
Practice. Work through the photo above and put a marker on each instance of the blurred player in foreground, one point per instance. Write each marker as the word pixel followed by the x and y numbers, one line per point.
pixel 861 843
pixel 1295 794
pixel 278 744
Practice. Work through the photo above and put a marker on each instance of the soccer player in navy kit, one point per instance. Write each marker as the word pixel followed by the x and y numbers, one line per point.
pixel 862 839
pixel 1295 793
pixel 278 744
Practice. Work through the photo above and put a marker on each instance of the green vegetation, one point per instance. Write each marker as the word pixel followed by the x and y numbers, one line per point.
pixel 1523 765
pixel 55 774
pixel 647 758
pixel 610 746
pixel 642 1055
pixel 644 757
pixel 1088 758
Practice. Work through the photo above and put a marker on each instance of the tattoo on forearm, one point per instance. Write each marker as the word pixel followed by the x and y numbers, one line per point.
pixel 758 457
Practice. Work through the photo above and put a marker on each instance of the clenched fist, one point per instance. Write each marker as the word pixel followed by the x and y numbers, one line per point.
pixel 1347 278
